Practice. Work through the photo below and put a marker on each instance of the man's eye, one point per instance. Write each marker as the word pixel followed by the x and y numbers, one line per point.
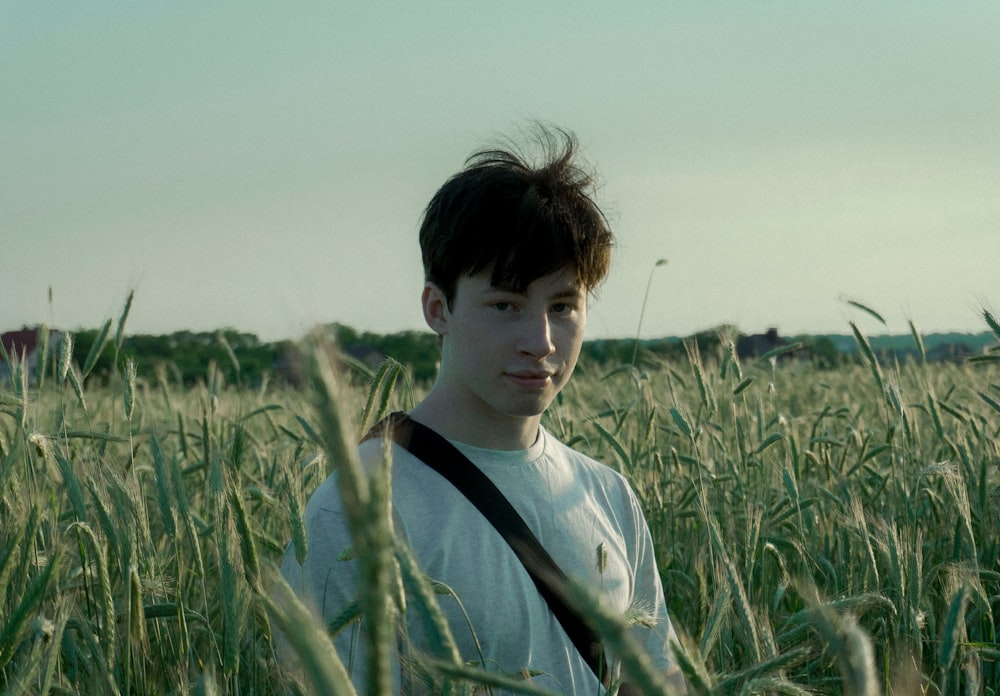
pixel 502 306
pixel 562 308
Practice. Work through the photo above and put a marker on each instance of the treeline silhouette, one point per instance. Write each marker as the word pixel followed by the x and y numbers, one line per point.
pixel 185 357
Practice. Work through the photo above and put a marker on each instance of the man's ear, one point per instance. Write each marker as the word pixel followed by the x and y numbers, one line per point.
pixel 435 306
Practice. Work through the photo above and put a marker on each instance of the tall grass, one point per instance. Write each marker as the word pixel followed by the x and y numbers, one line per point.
pixel 817 532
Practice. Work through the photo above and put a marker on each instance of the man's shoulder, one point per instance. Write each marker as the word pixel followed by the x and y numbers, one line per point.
pixel 326 497
pixel 369 455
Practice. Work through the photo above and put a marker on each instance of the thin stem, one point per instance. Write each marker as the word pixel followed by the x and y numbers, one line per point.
pixel 642 310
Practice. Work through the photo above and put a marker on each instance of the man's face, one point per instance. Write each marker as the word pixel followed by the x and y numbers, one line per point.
pixel 506 354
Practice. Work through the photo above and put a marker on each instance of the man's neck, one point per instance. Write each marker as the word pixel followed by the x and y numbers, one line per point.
pixel 458 422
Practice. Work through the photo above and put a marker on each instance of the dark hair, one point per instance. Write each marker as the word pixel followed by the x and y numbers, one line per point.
pixel 523 221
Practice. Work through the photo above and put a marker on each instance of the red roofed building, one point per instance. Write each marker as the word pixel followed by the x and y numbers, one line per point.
pixel 23 345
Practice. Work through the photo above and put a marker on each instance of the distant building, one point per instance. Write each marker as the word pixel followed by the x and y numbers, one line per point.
pixel 23 345
pixel 756 345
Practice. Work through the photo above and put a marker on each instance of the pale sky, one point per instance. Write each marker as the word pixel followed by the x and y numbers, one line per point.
pixel 263 166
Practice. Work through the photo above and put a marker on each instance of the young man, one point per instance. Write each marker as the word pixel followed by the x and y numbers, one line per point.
pixel 511 252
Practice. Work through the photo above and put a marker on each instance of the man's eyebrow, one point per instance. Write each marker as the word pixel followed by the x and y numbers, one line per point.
pixel 569 291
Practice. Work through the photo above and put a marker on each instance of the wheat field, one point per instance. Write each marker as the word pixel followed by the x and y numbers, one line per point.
pixel 818 531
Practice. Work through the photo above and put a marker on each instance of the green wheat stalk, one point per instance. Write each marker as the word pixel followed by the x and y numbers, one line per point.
pixel 106 603
pixel 17 622
pixel 366 500
pixel 310 642
pixel 120 330
pixel 96 349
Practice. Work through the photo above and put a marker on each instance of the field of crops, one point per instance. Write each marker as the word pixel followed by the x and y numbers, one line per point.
pixel 818 531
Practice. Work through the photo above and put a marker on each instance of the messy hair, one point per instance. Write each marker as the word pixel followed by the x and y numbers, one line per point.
pixel 519 220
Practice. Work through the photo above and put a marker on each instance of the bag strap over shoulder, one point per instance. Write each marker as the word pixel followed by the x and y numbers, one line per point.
pixel 439 454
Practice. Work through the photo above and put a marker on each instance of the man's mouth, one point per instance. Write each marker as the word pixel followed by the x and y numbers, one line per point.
pixel 531 379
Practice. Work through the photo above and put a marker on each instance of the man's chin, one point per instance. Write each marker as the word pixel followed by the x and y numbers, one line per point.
pixel 530 408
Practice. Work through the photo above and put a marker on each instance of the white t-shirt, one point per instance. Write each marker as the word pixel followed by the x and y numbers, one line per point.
pixel 573 504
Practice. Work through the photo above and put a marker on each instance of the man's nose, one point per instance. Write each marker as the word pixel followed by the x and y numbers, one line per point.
pixel 536 338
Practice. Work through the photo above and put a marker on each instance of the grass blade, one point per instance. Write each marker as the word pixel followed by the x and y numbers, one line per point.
pixel 919 342
pixel 869 355
pixel 120 331
pixel 95 350
pixel 16 624
pixel 309 642
pixel 866 309
pixel 992 322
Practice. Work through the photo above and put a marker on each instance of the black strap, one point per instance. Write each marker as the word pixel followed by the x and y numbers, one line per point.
pixel 439 454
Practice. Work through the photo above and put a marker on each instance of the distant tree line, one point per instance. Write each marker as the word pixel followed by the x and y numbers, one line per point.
pixel 185 357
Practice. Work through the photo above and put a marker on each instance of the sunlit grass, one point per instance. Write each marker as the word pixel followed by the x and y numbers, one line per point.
pixel 817 531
